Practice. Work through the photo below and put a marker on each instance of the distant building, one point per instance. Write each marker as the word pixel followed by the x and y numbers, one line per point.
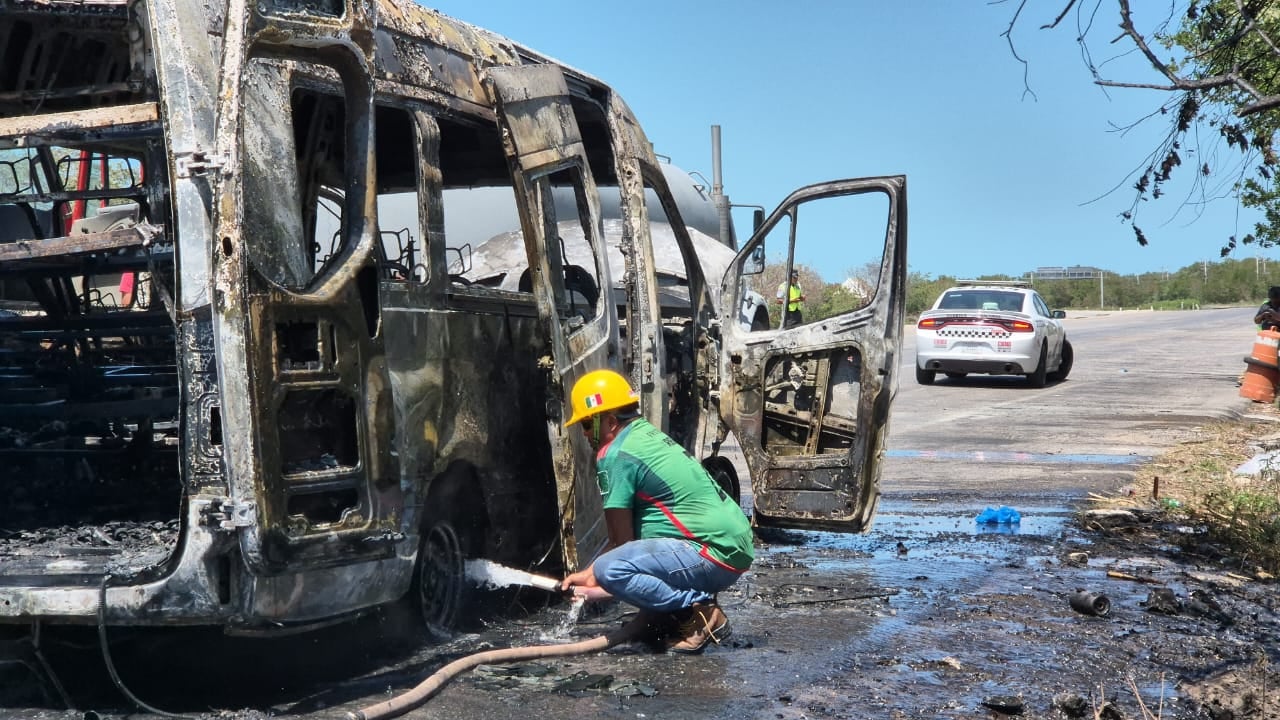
pixel 1075 272
pixel 858 287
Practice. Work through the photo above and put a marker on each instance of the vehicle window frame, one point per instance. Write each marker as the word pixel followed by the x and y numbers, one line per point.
pixel 1040 306
pixel 418 270
pixel 557 254
pixel 285 252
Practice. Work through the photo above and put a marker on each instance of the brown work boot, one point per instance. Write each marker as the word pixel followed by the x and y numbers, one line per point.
pixel 699 624
pixel 650 626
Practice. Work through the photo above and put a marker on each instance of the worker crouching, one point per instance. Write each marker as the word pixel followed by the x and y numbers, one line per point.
pixel 675 537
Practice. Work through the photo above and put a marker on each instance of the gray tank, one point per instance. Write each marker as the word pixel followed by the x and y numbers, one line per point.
pixel 474 215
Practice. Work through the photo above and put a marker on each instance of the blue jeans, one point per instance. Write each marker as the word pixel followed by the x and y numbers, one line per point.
pixel 661 574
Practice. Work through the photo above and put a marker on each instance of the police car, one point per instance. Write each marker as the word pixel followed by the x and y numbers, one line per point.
pixel 994 328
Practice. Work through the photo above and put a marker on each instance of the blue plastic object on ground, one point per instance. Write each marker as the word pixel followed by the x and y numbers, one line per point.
pixel 1005 514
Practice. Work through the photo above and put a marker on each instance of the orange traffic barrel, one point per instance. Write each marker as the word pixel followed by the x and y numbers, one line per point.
pixel 1259 382
pixel 1264 347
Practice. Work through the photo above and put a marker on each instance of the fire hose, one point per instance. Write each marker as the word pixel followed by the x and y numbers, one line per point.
pixel 407 701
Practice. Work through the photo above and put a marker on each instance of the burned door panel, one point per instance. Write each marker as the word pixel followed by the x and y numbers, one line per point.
pixel 808 398
pixel 642 316
pixel 810 403
pixel 319 396
pixel 546 151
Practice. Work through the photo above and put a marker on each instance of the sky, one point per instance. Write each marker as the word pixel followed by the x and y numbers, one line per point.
pixel 999 180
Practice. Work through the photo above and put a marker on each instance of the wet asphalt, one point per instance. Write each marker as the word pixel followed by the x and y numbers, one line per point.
pixel 929 614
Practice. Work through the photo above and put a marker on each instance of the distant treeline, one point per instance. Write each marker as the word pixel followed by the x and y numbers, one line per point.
pixel 1228 282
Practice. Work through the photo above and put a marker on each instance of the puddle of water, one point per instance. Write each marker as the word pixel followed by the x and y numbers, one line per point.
pixel 899 523
pixel 1035 521
pixel 913 539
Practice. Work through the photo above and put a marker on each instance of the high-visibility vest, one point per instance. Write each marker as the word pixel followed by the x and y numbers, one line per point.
pixel 794 297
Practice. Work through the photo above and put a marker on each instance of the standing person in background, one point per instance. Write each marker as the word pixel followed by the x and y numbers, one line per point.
pixel 1268 316
pixel 675 538
pixel 792 310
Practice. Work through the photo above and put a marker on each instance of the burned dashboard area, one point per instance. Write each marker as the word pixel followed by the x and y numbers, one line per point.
pixel 89 399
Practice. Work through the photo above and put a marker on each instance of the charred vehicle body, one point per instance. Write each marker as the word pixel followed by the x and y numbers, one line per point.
pixel 234 392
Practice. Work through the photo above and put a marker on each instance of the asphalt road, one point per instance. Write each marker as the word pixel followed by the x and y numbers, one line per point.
pixel 927 615
pixel 1142 381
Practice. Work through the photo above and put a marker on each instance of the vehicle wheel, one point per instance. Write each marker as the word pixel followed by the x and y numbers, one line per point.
pixel 1038 378
pixel 453 529
pixel 440 585
pixel 925 377
pixel 726 477
pixel 1064 365
pixel 957 375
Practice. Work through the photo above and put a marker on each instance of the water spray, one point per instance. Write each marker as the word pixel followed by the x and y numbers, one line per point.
pixel 491 574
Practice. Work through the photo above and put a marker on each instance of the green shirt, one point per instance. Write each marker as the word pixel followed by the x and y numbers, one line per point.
pixel 671 495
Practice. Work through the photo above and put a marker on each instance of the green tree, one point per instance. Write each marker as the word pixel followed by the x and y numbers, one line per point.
pixel 821 299
pixel 922 291
pixel 1219 62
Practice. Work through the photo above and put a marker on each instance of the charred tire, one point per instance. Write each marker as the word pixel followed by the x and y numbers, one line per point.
pixel 1064 365
pixel 925 377
pixel 723 472
pixel 453 530
pixel 957 375
pixel 440 587
pixel 1038 378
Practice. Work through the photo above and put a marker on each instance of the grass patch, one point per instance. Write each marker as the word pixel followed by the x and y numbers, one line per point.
pixel 1179 304
pixel 1196 482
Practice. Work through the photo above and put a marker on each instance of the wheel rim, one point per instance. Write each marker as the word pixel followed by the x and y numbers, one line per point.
pixel 441 579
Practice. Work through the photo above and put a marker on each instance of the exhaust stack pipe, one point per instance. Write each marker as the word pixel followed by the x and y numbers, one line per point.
pixel 718 198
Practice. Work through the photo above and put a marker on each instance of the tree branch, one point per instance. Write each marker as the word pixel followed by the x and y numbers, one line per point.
pixel 1253 25
pixel 1205 84
pixel 1263 102
pixel 1065 10
pixel 1244 62
pixel 1026 67
pixel 1269 102
pixel 1126 24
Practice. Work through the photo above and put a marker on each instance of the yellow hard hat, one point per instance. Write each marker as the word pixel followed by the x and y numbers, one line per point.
pixel 599 391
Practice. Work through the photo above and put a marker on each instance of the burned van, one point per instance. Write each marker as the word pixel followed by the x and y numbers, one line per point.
pixel 245 379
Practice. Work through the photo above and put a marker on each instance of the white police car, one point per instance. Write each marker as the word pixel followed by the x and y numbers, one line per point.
pixel 992 327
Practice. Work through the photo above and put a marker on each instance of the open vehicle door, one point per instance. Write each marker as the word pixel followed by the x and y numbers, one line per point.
pixel 544 146
pixel 808 399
